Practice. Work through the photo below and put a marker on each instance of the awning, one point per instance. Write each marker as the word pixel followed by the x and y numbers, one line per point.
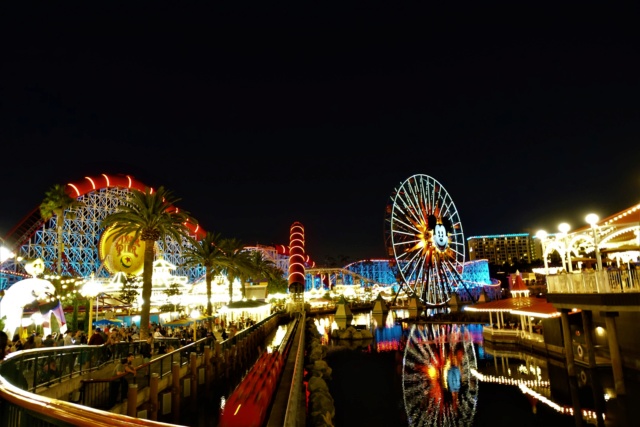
pixel 105 322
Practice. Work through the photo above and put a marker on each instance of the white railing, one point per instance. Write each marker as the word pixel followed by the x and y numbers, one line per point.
pixel 598 282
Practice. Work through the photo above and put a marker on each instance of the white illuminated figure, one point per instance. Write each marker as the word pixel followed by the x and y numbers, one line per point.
pixel 440 237
pixel 23 293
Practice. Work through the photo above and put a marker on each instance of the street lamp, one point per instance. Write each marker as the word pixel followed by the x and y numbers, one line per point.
pixel 564 229
pixel 90 290
pixel 5 254
pixel 542 235
pixel 592 219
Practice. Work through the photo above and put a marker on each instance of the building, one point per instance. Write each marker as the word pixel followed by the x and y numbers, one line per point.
pixel 504 248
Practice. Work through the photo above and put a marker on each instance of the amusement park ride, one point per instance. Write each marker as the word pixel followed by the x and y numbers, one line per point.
pixel 423 234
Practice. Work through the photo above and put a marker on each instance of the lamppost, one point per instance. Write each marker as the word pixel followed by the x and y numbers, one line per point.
pixel 592 219
pixel 542 235
pixel 564 229
pixel 90 290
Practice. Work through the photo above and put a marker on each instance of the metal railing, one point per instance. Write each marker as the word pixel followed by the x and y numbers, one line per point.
pixel 588 282
pixel 18 407
pixel 292 413
pixel 97 392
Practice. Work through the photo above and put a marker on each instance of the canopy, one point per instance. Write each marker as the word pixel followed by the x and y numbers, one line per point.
pixel 105 322
pixel 186 321
pixel 179 322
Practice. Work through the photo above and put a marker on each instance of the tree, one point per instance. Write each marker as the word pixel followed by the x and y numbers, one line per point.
pixel 236 261
pixel 129 291
pixel 205 253
pixel 261 268
pixel 56 202
pixel 149 216
pixel 278 285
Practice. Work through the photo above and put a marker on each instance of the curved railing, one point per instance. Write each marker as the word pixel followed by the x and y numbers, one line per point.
pixel 28 406
pixel 20 407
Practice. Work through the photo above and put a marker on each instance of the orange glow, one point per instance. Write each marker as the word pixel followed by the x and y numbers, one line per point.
pixel 432 372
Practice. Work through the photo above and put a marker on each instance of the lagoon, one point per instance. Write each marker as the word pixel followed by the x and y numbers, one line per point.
pixel 400 378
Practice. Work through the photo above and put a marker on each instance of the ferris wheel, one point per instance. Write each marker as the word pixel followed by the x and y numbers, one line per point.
pixel 424 234
pixel 439 388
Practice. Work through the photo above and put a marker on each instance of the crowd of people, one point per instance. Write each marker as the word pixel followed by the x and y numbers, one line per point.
pixel 157 343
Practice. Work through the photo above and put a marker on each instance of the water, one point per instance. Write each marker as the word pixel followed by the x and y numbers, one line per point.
pixel 400 378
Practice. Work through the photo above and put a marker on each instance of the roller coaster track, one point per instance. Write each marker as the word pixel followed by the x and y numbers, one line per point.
pixel 336 271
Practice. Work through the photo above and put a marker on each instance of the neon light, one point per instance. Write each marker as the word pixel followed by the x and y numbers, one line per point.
pixel 107 178
pixel 130 181
pixel 93 184
pixel 493 236
pixel 75 188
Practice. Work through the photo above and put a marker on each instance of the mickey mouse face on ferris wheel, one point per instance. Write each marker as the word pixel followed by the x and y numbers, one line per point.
pixel 440 232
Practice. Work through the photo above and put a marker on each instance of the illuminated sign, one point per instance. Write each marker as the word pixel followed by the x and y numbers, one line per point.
pixel 121 254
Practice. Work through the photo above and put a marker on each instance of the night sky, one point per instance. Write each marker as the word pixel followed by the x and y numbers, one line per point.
pixel 257 117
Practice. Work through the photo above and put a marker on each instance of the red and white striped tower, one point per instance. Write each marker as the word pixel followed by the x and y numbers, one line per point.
pixel 296 262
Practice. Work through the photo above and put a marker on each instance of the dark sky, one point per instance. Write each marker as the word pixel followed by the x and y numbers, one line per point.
pixel 258 117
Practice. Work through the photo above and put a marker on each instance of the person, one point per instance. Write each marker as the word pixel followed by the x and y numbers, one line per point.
pixel 49 371
pixel 162 348
pixel 4 344
pixel 68 338
pixel 38 339
pixel 80 337
pixel 224 334
pixel 10 371
pixel 17 344
pixel 48 341
pixel 30 343
pixel 96 338
pixel 126 372
pixel 146 350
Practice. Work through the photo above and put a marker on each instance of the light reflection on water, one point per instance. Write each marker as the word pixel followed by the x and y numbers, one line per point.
pixel 495 383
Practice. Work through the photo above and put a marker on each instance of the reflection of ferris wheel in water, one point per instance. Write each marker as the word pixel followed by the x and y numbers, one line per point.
pixel 438 388
pixel 424 234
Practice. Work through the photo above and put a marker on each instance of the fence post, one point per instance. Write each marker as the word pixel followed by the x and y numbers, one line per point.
pixel 175 391
pixel 132 400
pixel 193 364
pixel 153 396
pixel 208 365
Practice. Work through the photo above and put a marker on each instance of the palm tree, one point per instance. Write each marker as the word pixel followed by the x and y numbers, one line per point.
pixel 236 261
pixel 205 253
pixel 150 217
pixel 262 268
pixel 56 202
